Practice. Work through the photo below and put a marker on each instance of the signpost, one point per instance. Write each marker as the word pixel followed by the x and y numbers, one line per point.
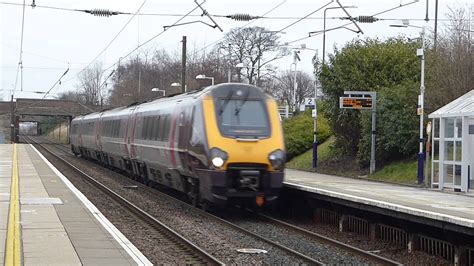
pixel 362 100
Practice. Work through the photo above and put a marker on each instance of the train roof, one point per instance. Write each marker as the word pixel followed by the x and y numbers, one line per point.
pixel 168 100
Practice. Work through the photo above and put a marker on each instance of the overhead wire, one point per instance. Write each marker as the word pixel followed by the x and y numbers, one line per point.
pixel 20 60
pixel 247 24
pixel 95 12
pixel 196 15
pixel 110 43
pixel 149 40
pixel 349 23
pixel 300 19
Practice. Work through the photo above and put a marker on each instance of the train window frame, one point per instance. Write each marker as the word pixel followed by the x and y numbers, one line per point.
pixel 113 128
pixel 224 129
pixel 156 127
pixel 161 130
pixel 145 127
pixel 166 129
pixel 118 128
pixel 150 128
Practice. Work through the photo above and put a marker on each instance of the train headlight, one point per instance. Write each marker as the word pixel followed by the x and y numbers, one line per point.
pixel 218 157
pixel 217 161
pixel 277 159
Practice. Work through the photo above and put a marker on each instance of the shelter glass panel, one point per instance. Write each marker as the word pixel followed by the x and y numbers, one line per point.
pixel 449 128
pixel 449 150
pixel 457 175
pixel 448 173
pixel 436 150
pixel 435 172
pixel 436 127
pixel 458 155
pixel 458 127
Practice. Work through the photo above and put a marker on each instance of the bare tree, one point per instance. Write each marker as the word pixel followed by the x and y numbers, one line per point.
pixel 90 86
pixel 282 87
pixel 249 47
pixel 72 96
pixel 451 66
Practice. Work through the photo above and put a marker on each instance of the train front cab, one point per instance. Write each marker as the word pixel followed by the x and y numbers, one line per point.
pixel 246 146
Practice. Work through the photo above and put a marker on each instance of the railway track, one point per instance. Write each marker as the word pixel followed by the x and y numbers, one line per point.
pixel 307 258
pixel 323 239
pixel 183 247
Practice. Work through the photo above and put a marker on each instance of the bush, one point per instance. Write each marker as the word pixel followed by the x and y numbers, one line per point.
pixel 298 132
pixel 389 68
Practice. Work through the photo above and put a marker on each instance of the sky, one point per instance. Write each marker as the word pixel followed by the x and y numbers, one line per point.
pixel 55 39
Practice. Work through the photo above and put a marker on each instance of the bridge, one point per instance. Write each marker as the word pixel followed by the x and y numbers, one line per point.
pixel 37 111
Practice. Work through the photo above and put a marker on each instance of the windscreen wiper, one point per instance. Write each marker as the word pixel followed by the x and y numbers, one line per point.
pixel 244 100
pixel 226 101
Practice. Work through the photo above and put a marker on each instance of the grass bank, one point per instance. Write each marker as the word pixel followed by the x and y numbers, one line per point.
pixel 401 172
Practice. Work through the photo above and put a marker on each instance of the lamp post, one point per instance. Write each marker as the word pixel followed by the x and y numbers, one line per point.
pixel 421 54
pixel 296 58
pixel 202 76
pixel 159 90
pixel 178 85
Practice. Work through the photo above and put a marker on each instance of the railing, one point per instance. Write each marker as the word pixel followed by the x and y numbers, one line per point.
pixel 284 112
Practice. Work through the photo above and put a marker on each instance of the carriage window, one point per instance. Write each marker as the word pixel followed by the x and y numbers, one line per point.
pixel 161 129
pixel 166 127
pixel 144 128
pixel 156 122
pixel 150 128
pixel 118 128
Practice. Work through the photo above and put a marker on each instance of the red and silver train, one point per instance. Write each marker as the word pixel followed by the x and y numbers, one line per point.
pixel 218 145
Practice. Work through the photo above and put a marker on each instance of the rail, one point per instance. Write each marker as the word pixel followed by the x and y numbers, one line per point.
pixel 181 242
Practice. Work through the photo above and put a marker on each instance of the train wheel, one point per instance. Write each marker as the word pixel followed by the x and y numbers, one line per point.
pixel 147 182
pixel 194 200
pixel 206 206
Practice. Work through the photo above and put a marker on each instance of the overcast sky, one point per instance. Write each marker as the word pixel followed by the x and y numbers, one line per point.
pixel 55 38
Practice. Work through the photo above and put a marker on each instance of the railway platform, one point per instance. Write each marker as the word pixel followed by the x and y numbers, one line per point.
pixel 45 220
pixel 445 210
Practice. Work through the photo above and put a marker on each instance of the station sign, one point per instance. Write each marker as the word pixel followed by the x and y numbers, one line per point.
pixel 355 102
pixel 309 101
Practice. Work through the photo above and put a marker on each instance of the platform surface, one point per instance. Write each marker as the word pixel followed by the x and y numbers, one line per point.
pixel 58 226
pixel 451 208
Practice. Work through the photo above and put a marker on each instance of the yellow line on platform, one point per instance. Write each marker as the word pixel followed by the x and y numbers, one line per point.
pixel 13 255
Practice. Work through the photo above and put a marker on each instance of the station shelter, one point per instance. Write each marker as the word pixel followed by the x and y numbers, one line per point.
pixel 452 142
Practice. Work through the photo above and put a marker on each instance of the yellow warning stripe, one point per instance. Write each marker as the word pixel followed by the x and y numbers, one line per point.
pixel 13 255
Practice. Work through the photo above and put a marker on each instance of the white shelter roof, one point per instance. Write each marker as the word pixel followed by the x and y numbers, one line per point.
pixel 462 106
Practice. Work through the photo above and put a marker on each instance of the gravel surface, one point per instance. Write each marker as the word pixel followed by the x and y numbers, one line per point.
pixel 295 240
pixel 380 248
pixel 222 242
pixel 212 236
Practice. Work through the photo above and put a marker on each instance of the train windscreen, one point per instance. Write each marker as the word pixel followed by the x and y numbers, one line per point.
pixel 242 118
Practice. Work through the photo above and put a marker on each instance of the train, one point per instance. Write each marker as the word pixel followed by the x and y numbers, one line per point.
pixel 219 145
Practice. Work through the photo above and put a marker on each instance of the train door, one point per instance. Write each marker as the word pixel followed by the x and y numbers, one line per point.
pixel 185 126
pixel 79 131
pixel 130 133
pixel 98 132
